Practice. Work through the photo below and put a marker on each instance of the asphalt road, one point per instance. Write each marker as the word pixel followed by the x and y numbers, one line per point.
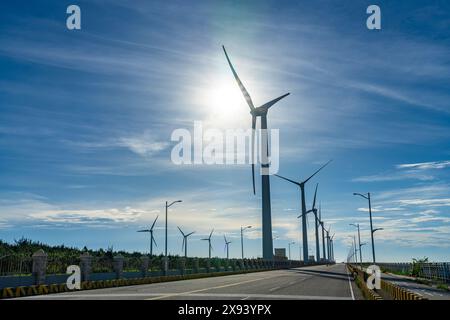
pixel 428 292
pixel 317 283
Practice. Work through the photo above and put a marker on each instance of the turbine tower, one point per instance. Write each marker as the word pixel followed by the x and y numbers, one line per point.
pixel 261 112
pixel 332 247
pixel 209 242
pixel 152 239
pixel 328 243
pixel 323 232
pixel 316 219
pixel 184 244
pixel 227 246
pixel 314 210
pixel 303 215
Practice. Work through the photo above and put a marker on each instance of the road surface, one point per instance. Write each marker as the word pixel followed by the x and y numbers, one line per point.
pixel 423 290
pixel 311 283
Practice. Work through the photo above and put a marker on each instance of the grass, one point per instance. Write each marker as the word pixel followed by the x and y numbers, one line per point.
pixel 443 287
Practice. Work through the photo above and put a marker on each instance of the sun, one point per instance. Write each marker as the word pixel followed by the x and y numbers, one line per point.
pixel 226 105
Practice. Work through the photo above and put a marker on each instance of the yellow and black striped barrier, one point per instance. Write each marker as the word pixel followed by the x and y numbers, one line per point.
pixel 360 282
pixel 398 293
pixel 24 291
pixel 395 292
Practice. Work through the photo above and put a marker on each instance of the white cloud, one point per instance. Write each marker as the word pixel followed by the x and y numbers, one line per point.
pixel 426 202
pixel 394 177
pixel 144 145
pixel 425 165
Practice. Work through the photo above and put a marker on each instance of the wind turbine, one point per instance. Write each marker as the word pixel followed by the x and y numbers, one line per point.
pixel 265 181
pixel 302 189
pixel 332 247
pixel 209 242
pixel 314 210
pixel 152 239
pixel 323 232
pixel 328 243
pixel 227 244
pixel 184 244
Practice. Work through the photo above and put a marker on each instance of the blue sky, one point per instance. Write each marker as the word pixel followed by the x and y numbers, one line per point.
pixel 87 115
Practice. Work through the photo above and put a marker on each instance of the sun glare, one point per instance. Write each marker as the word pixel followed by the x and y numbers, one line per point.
pixel 227 106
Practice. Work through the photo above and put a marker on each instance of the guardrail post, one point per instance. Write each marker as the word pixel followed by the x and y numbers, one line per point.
pixel 118 266
pixel 39 266
pixel 85 266
pixel 144 265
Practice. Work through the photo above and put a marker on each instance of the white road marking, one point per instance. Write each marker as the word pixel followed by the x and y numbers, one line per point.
pixel 350 284
pixel 273 289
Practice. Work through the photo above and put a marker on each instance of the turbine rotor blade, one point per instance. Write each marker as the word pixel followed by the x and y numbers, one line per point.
pixel 272 102
pixel 190 234
pixel 317 171
pixel 253 151
pixel 211 234
pixel 320 211
pixel 239 82
pixel 154 223
pixel 292 181
pixel 315 195
pixel 154 241
pixel 143 230
pixel 181 231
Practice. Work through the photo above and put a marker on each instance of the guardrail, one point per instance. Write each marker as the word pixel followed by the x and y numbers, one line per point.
pixel 19 273
pixel 133 278
pixel 434 271
pixel 392 291
pixel 360 279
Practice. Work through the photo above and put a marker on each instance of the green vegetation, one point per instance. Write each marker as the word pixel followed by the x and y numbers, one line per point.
pixel 15 258
pixel 417 266
pixel 443 287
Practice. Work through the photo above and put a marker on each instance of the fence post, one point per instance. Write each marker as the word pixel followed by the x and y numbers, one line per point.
pixel 118 266
pixel 85 266
pixel 144 265
pixel 39 266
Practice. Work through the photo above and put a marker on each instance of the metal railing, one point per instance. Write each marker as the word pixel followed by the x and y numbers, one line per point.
pixel 15 265
pixel 435 271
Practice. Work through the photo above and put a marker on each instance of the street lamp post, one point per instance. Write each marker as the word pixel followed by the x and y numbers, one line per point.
pixel 166 262
pixel 289 245
pixel 359 242
pixel 371 226
pixel 242 239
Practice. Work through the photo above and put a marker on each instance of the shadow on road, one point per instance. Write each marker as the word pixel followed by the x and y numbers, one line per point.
pixel 325 274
